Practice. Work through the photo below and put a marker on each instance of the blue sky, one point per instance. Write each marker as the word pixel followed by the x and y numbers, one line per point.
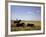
pixel 32 13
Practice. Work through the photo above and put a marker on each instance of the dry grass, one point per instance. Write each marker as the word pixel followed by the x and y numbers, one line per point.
pixel 37 26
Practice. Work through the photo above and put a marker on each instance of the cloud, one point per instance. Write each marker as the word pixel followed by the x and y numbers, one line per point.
pixel 30 13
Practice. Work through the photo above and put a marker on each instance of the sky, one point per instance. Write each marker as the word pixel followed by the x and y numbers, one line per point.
pixel 32 13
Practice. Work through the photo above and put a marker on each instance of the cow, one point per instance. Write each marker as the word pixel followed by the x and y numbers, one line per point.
pixel 17 21
pixel 20 25
pixel 30 25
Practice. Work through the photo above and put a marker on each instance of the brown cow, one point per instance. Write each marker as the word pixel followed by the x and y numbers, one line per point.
pixel 20 25
pixel 30 25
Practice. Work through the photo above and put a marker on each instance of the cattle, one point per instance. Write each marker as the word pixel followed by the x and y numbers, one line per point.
pixel 20 25
pixel 30 25
pixel 23 24
pixel 17 21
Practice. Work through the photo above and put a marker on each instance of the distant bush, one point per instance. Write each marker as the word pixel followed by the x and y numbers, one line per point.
pixel 17 21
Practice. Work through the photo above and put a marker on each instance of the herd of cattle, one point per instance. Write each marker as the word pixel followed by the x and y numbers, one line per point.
pixel 18 24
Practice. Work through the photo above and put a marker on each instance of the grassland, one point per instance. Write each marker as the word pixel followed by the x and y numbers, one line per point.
pixel 37 26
